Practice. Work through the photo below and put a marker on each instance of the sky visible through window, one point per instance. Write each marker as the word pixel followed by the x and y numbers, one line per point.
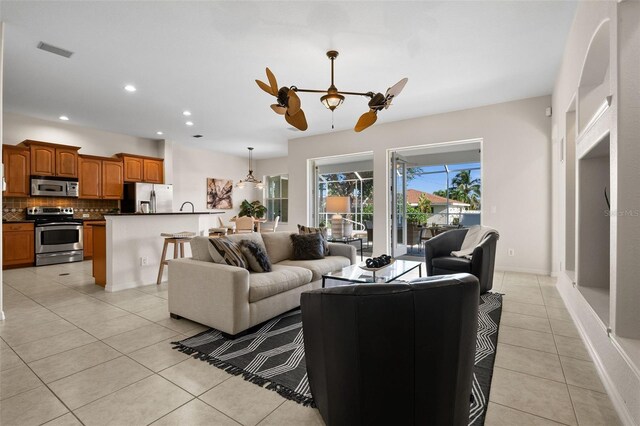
pixel 431 182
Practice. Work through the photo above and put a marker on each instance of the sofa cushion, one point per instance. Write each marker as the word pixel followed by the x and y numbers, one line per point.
pixel 226 251
pixel 451 263
pixel 280 279
pixel 278 246
pixel 200 249
pixel 256 237
pixel 319 267
pixel 311 230
pixel 255 255
pixel 307 247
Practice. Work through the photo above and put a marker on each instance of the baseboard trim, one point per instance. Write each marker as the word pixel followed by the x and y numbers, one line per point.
pixel 616 399
pixel 522 270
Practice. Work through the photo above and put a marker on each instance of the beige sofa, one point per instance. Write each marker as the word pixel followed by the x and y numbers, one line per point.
pixel 232 299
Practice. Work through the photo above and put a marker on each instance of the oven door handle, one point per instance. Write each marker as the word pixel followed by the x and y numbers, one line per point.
pixel 73 224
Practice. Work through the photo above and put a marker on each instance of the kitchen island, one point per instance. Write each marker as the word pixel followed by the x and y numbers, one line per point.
pixel 134 244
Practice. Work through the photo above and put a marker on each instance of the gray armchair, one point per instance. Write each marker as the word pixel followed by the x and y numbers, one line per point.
pixel 440 262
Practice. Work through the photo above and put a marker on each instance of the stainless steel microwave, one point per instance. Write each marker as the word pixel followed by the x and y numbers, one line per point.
pixel 42 186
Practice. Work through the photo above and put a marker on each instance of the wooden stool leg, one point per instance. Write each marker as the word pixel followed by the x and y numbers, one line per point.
pixel 162 260
pixel 175 249
pixel 181 250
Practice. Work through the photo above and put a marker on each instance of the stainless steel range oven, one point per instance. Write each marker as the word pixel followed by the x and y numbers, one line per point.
pixel 58 237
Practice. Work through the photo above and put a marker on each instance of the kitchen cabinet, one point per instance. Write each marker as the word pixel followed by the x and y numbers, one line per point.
pixel 100 254
pixel 87 240
pixel 18 244
pixel 142 169
pixel 100 178
pixel 50 159
pixel 17 166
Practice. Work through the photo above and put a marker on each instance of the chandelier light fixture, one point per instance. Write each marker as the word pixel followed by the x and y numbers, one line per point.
pixel 250 179
pixel 288 102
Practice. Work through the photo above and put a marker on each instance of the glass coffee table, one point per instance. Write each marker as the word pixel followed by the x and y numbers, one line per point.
pixel 355 275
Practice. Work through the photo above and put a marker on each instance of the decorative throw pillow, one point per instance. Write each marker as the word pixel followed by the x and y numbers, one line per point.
pixel 307 246
pixel 255 255
pixel 223 250
pixel 303 230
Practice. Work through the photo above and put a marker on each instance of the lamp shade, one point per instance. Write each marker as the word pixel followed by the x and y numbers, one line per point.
pixel 338 204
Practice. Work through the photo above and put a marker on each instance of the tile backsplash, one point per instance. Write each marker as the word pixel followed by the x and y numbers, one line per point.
pixel 14 208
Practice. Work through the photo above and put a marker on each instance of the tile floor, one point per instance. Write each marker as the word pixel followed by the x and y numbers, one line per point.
pixel 72 354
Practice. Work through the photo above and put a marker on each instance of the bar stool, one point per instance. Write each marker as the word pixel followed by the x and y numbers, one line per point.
pixel 177 239
pixel 217 232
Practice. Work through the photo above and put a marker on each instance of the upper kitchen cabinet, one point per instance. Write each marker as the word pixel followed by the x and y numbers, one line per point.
pixel 17 165
pixel 100 177
pixel 142 169
pixel 50 159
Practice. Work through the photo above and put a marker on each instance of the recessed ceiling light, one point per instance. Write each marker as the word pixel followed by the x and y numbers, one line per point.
pixel 186 113
pixel 197 136
pixel 189 123
pixel 130 88
pixel 159 133
pixel 64 118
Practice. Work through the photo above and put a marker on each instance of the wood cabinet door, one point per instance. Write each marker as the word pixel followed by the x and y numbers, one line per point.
pixel 89 177
pixel 43 160
pixel 87 243
pixel 66 162
pixel 17 247
pixel 133 169
pixel 112 180
pixel 17 163
pixel 153 171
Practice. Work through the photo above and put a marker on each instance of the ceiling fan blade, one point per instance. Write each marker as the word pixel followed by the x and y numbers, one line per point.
pixel 395 90
pixel 265 87
pixel 299 121
pixel 278 109
pixel 366 120
pixel 293 104
pixel 272 82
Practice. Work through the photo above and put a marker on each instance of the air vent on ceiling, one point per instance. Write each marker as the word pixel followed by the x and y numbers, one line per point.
pixel 197 136
pixel 55 50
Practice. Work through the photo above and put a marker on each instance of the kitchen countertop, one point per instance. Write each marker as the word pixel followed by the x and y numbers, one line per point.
pixel 158 214
pixel 18 221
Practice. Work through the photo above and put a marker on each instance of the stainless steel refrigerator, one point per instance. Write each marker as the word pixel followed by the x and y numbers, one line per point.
pixel 158 196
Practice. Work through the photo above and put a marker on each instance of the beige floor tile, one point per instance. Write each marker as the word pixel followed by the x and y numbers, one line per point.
pixel 558 313
pixel 572 347
pixel 518 277
pixel 64 364
pixel 154 288
pixel 120 296
pixel 53 345
pixel 546 280
pixel 242 401
pixel 529 361
pixel 593 408
pixel 17 380
pixel 525 309
pixel 3 345
pixel 160 355
pixel 9 359
pixel 527 339
pixel 138 404
pixel 87 310
pixel 195 413
pixel 523 294
pixel 26 333
pixel 88 385
pixel 158 313
pixel 564 328
pixel 550 292
pixel 139 338
pixel 66 420
pixel 533 395
pixel 499 415
pixel 34 407
pixel 137 304
pixel 112 327
pixel 525 321
pixel 195 376
pixel 184 326
pixel 555 302
pixel 581 373
pixel 292 414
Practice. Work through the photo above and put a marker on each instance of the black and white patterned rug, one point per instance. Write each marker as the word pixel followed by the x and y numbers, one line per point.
pixel 272 355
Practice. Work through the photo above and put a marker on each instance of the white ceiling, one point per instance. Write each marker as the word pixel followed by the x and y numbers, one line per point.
pixel 204 56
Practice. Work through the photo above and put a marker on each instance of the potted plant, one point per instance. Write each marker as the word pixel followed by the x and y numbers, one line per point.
pixel 254 209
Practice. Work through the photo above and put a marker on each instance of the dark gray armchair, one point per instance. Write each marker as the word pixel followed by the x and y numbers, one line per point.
pixel 392 354
pixel 440 262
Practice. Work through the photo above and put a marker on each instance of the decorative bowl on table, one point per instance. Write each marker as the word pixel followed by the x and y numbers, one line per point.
pixel 375 264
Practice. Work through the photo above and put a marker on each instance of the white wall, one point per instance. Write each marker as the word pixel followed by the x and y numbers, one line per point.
pixel 192 167
pixel 516 171
pixel 19 127
pixel 1 130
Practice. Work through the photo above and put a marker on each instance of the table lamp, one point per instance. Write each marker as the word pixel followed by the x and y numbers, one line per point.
pixel 338 205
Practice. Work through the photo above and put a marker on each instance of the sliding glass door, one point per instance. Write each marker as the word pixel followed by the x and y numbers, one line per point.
pixel 398 208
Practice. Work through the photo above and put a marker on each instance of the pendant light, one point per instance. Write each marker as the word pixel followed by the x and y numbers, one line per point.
pixel 250 179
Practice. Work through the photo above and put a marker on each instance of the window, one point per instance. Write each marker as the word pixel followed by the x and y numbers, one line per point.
pixel 277 197
pixel 358 186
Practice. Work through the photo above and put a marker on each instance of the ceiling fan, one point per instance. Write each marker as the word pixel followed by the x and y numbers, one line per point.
pixel 288 102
